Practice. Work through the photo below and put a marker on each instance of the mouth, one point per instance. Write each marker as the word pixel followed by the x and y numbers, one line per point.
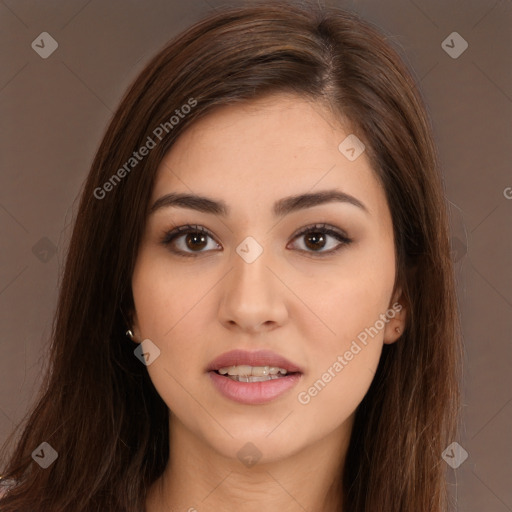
pixel 253 377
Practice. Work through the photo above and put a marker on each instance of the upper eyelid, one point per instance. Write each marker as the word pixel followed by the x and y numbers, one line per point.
pixel 321 226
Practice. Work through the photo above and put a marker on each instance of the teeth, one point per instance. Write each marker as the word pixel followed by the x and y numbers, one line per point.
pixel 242 378
pixel 245 370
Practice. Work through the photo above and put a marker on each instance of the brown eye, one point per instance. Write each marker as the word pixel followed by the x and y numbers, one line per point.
pixel 189 240
pixel 319 237
pixel 195 241
pixel 315 240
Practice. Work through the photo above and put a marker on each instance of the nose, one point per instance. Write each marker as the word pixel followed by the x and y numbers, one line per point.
pixel 253 298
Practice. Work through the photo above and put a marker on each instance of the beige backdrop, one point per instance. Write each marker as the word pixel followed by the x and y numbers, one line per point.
pixel 54 110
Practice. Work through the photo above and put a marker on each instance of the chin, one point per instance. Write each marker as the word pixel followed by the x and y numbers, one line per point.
pixel 257 444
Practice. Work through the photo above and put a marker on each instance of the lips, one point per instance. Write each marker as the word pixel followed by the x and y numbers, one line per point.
pixel 257 358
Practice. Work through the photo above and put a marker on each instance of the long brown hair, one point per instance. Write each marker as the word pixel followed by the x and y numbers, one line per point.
pixel 98 408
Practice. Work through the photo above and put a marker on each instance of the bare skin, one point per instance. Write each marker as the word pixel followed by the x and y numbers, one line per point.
pixel 298 298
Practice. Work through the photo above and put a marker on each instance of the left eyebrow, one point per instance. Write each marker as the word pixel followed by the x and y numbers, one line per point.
pixel 281 207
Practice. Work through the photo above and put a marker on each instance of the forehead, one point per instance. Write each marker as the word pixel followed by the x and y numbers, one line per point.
pixel 263 150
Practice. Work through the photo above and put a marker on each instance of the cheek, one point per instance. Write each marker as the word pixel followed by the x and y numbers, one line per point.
pixel 171 321
pixel 345 347
pixel 348 300
pixel 344 357
pixel 342 365
pixel 165 297
pixel 168 319
pixel 332 397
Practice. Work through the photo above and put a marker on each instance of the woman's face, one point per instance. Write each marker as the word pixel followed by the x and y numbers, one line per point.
pixel 252 282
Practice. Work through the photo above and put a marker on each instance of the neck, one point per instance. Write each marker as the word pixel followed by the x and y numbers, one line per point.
pixel 197 478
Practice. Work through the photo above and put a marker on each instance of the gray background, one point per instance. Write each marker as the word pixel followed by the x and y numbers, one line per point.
pixel 54 111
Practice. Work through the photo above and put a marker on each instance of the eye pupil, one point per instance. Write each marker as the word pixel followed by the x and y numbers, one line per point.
pixel 315 238
pixel 194 238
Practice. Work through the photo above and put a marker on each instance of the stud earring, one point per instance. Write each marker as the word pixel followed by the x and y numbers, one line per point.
pixel 398 330
pixel 129 333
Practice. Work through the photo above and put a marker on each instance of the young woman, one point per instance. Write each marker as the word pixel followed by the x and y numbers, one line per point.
pixel 266 221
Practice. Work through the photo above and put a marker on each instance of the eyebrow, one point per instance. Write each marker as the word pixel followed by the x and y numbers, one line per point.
pixel 281 207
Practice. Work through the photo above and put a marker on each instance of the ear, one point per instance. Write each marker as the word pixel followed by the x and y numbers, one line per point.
pixel 135 327
pixel 397 314
pixel 130 317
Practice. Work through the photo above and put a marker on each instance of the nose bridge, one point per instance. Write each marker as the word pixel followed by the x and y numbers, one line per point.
pixel 252 295
pixel 250 274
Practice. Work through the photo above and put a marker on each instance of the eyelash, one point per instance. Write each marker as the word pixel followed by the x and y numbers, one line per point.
pixel 325 229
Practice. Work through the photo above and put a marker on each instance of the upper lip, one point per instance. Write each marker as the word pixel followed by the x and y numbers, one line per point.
pixel 256 358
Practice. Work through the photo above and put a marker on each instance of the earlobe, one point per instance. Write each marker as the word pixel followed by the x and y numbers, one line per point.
pixel 131 326
pixel 395 328
pixel 397 316
pixel 131 333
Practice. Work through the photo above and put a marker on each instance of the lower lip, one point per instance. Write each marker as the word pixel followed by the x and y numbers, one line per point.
pixel 253 393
